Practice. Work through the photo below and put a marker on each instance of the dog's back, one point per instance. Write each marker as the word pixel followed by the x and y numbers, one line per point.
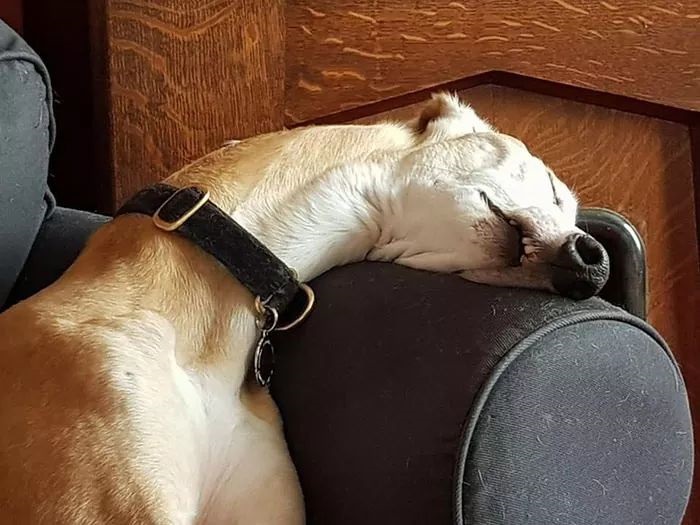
pixel 71 450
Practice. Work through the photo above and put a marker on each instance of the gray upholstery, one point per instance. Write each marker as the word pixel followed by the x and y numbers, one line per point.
pixel 410 397
pixel 26 137
pixel 59 241
pixel 583 424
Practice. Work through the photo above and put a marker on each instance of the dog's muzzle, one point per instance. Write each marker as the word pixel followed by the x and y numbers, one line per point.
pixel 581 268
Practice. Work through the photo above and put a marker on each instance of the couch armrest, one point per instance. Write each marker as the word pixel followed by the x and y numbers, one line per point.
pixel 411 397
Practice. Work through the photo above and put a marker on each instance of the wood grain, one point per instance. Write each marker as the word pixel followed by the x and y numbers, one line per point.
pixel 636 165
pixel 342 54
pixel 184 76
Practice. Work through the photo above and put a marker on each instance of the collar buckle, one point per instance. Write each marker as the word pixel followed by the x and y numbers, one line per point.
pixel 182 205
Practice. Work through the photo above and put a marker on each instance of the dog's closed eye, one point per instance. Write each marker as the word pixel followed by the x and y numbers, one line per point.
pixel 557 200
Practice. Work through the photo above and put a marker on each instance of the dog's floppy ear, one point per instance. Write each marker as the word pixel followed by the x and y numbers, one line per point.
pixel 446 117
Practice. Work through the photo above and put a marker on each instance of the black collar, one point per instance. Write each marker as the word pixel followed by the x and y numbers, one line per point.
pixel 189 212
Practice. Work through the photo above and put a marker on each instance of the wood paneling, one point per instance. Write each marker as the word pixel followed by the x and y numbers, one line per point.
pixel 343 53
pixel 184 76
pixel 633 164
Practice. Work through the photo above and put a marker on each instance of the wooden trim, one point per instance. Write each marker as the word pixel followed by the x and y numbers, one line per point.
pixel 103 143
pixel 343 54
pixel 503 78
pixel 59 33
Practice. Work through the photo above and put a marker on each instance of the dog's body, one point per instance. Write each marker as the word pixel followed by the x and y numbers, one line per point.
pixel 123 385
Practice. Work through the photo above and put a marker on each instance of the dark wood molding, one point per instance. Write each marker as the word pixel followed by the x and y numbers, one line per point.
pixel 59 33
pixel 506 79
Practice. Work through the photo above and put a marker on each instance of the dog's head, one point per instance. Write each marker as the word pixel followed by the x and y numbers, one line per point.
pixel 464 198
pixel 480 204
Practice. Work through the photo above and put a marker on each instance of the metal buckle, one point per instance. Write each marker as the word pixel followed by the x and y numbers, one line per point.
pixel 262 308
pixel 169 226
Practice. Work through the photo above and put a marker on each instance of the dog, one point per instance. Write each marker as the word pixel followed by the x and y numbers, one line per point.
pixel 124 393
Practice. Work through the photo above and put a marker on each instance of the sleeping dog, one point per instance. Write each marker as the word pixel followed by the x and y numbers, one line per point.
pixel 125 396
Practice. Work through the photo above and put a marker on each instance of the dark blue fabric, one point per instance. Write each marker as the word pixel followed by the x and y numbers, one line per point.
pixel 376 386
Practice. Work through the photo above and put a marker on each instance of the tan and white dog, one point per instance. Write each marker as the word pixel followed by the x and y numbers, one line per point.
pixel 123 392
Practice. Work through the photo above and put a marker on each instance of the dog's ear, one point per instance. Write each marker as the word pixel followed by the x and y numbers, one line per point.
pixel 445 117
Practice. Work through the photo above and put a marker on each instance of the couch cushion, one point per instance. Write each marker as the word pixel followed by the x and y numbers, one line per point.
pixel 26 138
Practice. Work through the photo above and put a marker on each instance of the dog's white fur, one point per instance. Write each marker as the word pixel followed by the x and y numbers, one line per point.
pixel 124 396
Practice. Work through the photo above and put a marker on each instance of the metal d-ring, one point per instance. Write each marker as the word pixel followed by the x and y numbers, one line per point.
pixel 310 300
pixel 264 310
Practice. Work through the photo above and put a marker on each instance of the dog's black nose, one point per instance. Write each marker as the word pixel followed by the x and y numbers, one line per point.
pixel 581 268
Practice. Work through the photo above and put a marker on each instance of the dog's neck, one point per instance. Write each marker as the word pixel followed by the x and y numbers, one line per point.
pixel 131 266
pixel 333 220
